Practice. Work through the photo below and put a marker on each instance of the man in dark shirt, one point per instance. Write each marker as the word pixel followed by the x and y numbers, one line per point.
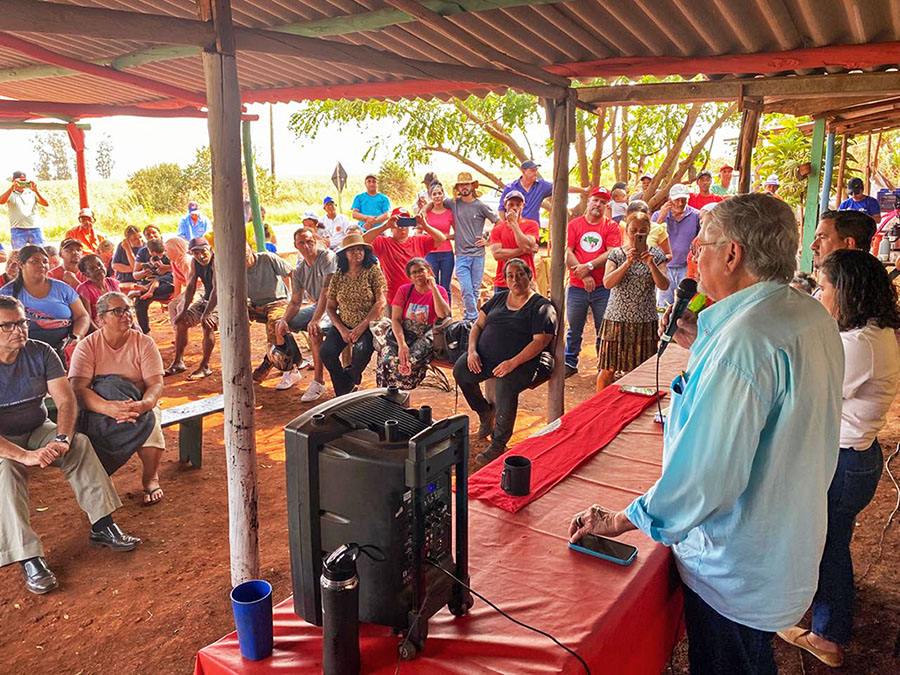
pixel 29 370
pixel 202 313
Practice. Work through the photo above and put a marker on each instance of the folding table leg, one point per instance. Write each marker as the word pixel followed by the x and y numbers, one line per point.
pixel 190 441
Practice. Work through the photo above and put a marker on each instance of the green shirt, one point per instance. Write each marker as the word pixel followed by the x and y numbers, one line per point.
pixel 717 189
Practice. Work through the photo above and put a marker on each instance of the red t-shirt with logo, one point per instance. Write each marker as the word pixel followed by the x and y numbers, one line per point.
pixel 698 201
pixel 588 240
pixel 503 234
pixel 393 256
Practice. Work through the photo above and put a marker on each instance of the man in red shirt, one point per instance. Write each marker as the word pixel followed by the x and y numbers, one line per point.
pixel 85 232
pixel 514 237
pixel 590 238
pixel 704 196
pixel 400 247
pixel 70 251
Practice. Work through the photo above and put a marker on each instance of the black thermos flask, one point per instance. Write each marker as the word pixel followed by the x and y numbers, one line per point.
pixel 340 612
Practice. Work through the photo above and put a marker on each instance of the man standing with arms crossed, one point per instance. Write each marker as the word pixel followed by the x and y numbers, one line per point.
pixel 23 198
pixel 513 237
pixel 370 208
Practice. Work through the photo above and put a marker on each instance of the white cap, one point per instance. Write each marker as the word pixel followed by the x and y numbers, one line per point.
pixel 310 215
pixel 85 212
pixel 708 207
pixel 772 180
pixel 679 191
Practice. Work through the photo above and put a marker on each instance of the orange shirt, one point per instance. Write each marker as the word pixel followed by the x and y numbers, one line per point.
pixel 90 239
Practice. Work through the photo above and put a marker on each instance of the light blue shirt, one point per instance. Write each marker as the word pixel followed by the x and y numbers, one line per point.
pixel 370 205
pixel 751 446
pixel 188 229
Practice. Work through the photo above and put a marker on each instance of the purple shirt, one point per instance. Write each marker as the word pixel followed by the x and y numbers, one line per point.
pixel 540 190
pixel 681 233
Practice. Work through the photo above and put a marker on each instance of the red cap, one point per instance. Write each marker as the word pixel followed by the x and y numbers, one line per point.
pixel 400 212
pixel 726 166
pixel 600 192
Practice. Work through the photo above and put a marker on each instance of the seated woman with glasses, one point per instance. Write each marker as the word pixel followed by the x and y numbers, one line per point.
pixel 54 310
pixel 131 396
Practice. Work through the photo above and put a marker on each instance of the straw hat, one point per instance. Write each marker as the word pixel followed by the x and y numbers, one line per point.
pixel 353 239
pixel 466 177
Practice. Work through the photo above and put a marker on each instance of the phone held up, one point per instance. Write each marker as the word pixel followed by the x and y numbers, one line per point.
pixel 406 222
pixel 607 549
pixel 639 241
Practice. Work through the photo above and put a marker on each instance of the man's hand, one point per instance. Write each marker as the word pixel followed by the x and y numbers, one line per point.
pixel 582 271
pixel 600 521
pixel 58 447
pixel 481 242
pixel 474 362
pixel 281 328
pixel 314 329
pixel 504 368
pixel 687 327
pixel 590 284
pixel 42 457
pixel 207 321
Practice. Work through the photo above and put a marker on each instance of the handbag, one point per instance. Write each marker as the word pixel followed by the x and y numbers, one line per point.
pixel 451 340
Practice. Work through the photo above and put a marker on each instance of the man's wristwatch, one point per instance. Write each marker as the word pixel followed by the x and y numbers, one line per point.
pixel 590 265
pixel 62 438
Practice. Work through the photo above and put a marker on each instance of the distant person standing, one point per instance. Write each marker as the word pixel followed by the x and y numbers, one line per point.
pixel 534 188
pixel 857 201
pixel 682 225
pixel 335 224
pixel 23 198
pixel 194 224
pixel 725 188
pixel 771 185
pixel 646 179
pixel 371 208
pixel 469 214
pixel 441 258
pixel 703 196
pixel 85 232
pixel 513 237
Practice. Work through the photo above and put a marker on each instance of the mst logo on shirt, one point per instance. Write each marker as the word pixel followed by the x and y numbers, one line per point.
pixel 591 242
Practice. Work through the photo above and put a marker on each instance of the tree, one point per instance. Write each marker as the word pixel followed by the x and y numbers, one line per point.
pixel 159 188
pixel 54 157
pixel 198 177
pixel 104 161
pixel 396 182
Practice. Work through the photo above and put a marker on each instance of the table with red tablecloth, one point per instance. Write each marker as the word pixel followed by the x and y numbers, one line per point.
pixel 619 619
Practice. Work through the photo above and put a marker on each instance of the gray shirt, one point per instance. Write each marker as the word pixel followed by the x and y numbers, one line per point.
pixel 311 278
pixel 468 224
pixel 264 283
pixel 23 209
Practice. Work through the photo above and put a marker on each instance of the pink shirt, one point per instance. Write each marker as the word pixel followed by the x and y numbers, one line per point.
pixel 442 222
pixel 91 294
pixel 418 307
pixel 137 360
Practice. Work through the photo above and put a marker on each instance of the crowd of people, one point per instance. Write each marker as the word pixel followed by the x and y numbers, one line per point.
pixel 811 361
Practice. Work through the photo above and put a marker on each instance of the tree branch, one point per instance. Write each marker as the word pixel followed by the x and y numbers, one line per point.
pixel 468 162
pixel 494 129
pixel 600 139
pixel 663 175
pixel 698 147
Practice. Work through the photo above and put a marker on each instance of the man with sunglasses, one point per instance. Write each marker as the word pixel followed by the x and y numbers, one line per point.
pixel 29 370
pixel 202 313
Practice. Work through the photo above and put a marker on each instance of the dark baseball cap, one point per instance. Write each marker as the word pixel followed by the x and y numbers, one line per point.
pixel 529 164
pixel 198 243
pixel 704 173
pixel 855 185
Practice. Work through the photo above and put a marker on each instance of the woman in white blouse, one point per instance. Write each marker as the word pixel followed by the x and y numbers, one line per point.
pixel 860 296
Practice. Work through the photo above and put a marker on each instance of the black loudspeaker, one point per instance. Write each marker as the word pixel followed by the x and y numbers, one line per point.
pixel 366 468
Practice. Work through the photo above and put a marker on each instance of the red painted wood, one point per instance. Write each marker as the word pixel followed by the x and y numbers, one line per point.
pixel 76 140
pixel 37 109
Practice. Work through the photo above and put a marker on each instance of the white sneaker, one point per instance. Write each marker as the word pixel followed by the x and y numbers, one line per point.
pixel 313 392
pixel 288 379
pixel 306 365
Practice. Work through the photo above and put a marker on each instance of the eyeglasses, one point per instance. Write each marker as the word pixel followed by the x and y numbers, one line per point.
pixel 697 245
pixel 10 326
pixel 120 311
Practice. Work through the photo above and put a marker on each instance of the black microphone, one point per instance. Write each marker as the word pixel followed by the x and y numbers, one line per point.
pixel 686 290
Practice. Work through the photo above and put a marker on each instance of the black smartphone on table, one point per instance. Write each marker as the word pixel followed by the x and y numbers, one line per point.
pixel 607 549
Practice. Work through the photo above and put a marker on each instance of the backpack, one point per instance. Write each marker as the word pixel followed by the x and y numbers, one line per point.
pixel 451 339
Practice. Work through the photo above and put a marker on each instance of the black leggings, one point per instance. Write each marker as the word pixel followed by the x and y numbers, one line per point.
pixel 141 307
pixel 344 379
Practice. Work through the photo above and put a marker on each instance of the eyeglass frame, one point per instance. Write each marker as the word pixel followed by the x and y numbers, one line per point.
pixel 697 246
pixel 10 326
pixel 119 311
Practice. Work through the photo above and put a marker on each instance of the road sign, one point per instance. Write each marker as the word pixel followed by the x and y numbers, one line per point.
pixel 339 177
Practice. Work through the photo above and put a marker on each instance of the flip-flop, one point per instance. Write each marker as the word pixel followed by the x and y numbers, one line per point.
pixel 199 374
pixel 149 494
pixel 174 370
pixel 799 637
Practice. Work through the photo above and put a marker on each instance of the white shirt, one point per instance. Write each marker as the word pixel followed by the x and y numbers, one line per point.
pixel 335 229
pixel 871 380
pixel 22 207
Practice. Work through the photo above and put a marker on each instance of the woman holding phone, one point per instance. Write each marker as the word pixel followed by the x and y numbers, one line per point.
pixel 628 335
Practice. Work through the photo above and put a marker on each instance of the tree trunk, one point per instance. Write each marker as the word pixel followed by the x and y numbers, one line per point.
pixel 622 167
pixel 599 139
pixel 494 130
pixel 496 180
pixel 688 161
pixel 658 190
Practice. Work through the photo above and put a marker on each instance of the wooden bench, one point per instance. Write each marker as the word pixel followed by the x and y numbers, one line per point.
pixel 189 418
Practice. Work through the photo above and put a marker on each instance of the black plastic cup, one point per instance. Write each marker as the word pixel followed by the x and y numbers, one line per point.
pixel 516 477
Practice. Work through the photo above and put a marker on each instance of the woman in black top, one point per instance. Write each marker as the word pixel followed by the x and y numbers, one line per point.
pixel 506 340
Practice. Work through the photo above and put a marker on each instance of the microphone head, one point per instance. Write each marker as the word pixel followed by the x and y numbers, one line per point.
pixel 687 289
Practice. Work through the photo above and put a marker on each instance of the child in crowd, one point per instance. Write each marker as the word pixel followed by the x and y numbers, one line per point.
pixel 53 259
pixel 106 250
pixel 157 251
pixel 618 205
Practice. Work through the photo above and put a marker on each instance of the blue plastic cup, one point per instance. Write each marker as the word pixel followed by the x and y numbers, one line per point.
pixel 251 603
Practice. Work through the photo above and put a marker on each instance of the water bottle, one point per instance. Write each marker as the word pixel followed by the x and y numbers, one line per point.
pixel 340 609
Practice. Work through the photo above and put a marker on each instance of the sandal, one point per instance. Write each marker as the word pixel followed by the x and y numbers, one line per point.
pixel 799 637
pixel 174 370
pixel 199 374
pixel 148 496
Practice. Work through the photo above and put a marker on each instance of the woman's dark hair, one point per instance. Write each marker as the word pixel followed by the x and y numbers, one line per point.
pixel 520 263
pixel 82 264
pixel 418 261
pixel 863 290
pixel 805 282
pixel 148 228
pixel 434 185
pixel 131 230
pixel 343 264
pixel 156 246
pixel 24 254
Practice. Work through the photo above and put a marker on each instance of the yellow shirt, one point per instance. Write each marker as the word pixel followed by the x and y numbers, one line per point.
pixel 657 234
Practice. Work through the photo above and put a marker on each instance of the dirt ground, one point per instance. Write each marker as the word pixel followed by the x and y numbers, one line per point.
pixel 150 611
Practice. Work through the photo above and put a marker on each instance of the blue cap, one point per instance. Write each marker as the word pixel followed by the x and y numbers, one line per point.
pixel 529 164
pixel 328 200
pixel 513 194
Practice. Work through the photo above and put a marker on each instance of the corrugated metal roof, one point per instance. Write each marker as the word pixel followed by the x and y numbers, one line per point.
pixel 548 34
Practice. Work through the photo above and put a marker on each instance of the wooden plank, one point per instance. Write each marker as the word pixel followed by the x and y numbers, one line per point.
pixel 47 56
pixel 199 408
pixel 11 108
pixel 223 95
pixel 362 90
pixel 795 87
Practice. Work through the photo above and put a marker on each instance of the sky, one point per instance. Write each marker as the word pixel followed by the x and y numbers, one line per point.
pixel 141 141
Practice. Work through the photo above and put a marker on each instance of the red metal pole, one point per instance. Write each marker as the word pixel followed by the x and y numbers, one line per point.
pixel 76 139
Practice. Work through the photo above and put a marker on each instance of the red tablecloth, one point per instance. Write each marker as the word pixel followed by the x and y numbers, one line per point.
pixel 620 619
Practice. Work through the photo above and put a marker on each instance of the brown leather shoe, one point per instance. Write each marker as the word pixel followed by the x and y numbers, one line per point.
pixel 799 637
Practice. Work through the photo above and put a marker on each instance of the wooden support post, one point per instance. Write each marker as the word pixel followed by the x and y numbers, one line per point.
pixel 76 140
pixel 251 188
pixel 828 172
pixel 231 281
pixel 811 208
pixel 845 141
pixel 272 141
pixel 868 163
pixel 746 143
pixel 559 114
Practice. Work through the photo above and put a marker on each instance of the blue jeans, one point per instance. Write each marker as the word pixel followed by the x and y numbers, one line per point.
pixel 22 236
pixel 676 276
pixel 470 272
pixel 852 488
pixel 301 319
pixel 442 264
pixel 720 646
pixel 578 301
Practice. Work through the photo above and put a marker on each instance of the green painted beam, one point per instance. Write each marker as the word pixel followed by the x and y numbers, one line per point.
pixel 366 21
pixel 256 212
pixel 811 208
